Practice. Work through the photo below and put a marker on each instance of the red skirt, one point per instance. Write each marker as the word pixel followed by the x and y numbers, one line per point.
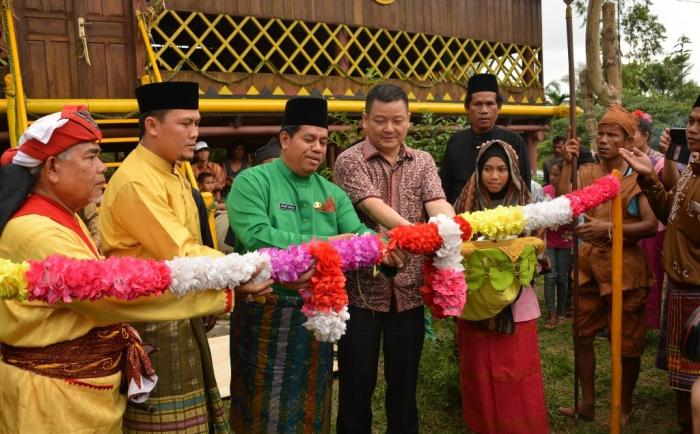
pixel 501 376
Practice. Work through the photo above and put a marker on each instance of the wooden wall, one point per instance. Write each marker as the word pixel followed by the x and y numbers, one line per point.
pixel 514 21
pixel 48 43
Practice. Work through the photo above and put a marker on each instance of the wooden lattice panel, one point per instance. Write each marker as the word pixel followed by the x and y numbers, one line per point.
pixel 251 45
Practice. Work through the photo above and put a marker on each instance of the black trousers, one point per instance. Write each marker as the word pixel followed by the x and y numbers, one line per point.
pixel 358 356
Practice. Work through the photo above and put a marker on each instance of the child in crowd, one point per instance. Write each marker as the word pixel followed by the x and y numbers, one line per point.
pixel 559 244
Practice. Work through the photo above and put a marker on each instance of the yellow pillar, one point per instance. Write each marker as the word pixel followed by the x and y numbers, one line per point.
pixel 19 107
pixel 147 43
pixel 616 322
pixel 11 115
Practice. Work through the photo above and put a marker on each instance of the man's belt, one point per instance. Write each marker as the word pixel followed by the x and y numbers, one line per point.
pixel 103 351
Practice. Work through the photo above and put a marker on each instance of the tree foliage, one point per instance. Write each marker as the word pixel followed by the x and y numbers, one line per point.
pixel 429 133
pixel 642 32
pixel 554 93
pixel 667 75
pixel 640 29
pixel 653 80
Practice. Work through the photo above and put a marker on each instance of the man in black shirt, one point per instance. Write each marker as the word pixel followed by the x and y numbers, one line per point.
pixel 483 104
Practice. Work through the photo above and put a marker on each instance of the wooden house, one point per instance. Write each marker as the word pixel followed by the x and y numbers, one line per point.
pixel 269 50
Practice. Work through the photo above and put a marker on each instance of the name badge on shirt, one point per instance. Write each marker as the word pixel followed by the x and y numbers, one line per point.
pixel 288 207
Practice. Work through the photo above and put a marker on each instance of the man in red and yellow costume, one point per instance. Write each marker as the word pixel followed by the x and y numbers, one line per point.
pixel 62 365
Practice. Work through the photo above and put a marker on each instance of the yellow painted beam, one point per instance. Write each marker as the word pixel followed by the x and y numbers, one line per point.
pixel 245 105
pixel 120 140
pixel 116 121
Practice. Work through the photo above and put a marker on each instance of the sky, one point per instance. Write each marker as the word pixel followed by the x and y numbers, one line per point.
pixel 675 15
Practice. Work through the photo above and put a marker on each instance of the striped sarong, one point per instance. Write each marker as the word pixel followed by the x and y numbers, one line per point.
pixel 186 399
pixel 681 303
pixel 280 375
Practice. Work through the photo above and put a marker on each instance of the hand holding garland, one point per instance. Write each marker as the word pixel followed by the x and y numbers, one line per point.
pixel 57 279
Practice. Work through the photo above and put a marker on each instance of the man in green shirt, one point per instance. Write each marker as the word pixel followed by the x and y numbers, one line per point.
pixel 280 375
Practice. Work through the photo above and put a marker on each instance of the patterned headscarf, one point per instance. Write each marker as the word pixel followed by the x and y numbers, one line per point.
pixel 475 196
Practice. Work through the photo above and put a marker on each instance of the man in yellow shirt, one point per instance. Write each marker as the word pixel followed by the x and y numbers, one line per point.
pixel 148 212
pixel 53 376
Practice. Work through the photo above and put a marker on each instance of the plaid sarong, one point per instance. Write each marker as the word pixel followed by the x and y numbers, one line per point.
pixel 280 374
pixel 186 399
pixel 681 303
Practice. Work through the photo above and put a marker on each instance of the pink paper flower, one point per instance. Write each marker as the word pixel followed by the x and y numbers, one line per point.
pixel 593 195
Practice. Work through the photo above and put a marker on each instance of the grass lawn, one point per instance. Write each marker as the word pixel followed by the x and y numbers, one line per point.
pixel 439 400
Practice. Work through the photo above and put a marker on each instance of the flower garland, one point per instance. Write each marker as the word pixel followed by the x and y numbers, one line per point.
pixel 447 281
pixel 58 279
pixel 444 289
pixel 13 285
pixel 502 222
pixel 325 300
pixel 191 274
pixel 288 264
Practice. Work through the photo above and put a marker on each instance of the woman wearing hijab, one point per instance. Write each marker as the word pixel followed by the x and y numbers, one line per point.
pixel 501 374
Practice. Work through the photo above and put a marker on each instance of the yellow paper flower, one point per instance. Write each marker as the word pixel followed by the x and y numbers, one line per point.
pixel 13 285
pixel 497 223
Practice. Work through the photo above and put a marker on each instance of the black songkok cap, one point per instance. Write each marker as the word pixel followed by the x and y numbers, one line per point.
pixel 306 111
pixel 697 102
pixel 168 95
pixel 270 150
pixel 482 83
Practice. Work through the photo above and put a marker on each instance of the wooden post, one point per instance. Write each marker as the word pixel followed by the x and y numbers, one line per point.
pixel 616 322
pixel 574 186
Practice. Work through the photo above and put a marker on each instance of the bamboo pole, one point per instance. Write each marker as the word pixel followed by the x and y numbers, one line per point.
pixel 574 186
pixel 147 43
pixel 20 106
pixel 616 322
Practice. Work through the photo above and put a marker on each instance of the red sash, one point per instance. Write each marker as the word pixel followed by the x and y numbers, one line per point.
pixel 47 207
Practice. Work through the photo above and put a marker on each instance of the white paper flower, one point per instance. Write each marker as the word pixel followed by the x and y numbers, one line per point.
pixel 200 273
pixel 328 326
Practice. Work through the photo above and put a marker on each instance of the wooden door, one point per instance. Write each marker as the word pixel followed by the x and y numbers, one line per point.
pixel 50 49
pixel 109 29
pixel 46 41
